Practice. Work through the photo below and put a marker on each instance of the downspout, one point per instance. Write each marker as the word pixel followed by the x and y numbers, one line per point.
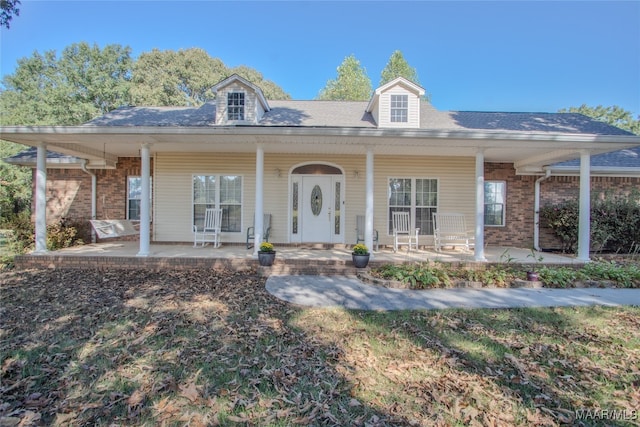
pixel 83 165
pixel 536 210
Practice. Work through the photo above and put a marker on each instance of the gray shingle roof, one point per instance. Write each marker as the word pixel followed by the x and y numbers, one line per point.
pixel 158 116
pixel 28 156
pixel 629 158
pixel 352 114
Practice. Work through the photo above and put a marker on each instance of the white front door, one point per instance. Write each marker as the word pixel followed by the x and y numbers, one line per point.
pixel 318 213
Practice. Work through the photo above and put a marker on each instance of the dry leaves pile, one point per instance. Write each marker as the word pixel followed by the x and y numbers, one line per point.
pixel 210 347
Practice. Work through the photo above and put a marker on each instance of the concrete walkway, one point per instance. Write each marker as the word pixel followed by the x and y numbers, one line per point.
pixel 333 291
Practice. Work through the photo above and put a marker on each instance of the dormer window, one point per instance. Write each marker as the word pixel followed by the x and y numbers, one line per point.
pixel 399 108
pixel 235 106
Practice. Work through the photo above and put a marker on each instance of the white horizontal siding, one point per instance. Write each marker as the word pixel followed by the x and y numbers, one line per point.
pixel 173 189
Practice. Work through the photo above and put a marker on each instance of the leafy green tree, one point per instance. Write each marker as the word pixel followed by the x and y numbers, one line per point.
pixel 171 78
pixel 84 82
pixel 613 115
pixel 269 88
pixel 15 184
pixel 352 83
pixel 398 67
pixel 8 8
pixel 186 77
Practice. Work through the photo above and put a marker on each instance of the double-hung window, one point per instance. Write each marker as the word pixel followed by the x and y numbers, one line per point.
pixel 399 108
pixel 134 197
pixel 418 196
pixel 235 106
pixel 494 202
pixel 218 191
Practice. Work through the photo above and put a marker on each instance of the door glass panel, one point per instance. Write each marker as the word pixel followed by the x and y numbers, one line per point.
pixel 294 225
pixel 316 200
pixel 337 210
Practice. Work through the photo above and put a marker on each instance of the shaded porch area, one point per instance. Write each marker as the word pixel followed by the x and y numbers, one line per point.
pixel 289 259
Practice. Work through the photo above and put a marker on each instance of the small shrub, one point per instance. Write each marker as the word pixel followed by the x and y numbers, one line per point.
pixel 420 276
pixel 624 275
pixel 62 234
pixel 561 277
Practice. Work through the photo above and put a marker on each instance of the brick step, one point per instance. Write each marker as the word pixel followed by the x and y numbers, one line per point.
pixel 309 267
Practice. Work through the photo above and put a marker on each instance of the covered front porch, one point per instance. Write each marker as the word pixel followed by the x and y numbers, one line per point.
pixel 291 259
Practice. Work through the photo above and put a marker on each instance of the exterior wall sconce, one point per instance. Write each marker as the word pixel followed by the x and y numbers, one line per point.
pixel 356 174
pixel 278 173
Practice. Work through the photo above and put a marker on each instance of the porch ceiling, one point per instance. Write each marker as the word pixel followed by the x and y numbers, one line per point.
pixel 528 151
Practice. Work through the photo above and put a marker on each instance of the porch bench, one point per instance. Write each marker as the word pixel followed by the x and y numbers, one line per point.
pixel 108 228
pixel 449 229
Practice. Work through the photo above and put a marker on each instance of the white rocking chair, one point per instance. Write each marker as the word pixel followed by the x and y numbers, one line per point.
pixel 403 234
pixel 210 231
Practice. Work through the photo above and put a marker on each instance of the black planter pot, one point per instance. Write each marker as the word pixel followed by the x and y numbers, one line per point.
pixel 266 259
pixel 360 261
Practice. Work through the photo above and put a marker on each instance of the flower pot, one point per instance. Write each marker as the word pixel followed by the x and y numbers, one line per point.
pixel 266 259
pixel 360 261
pixel 533 276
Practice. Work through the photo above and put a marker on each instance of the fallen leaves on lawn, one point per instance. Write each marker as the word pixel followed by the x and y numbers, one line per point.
pixel 89 347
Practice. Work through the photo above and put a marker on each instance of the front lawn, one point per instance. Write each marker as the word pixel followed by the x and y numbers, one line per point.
pixel 208 348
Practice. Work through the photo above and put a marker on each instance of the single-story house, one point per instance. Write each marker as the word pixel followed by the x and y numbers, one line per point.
pixel 316 165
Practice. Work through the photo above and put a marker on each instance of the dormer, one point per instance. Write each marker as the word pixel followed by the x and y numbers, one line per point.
pixel 396 104
pixel 239 102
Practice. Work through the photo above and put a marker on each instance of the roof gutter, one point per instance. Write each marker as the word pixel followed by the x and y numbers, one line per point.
pixel 10 132
pixel 536 209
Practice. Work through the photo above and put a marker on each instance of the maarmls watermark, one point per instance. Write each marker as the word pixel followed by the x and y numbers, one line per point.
pixel 607 414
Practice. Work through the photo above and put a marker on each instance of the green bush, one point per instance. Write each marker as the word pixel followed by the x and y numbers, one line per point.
pixel 558 277
pixel 421 276
pixel 61 234
pixel 615 222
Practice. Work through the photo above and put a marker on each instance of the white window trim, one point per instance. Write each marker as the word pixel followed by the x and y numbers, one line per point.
pixel 129 198
pixel 391 108
pixel 244 107
pixel 217 201
pixel 413 201
pixel 504 204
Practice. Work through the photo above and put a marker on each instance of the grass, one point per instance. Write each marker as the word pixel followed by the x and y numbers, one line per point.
pixel 214 348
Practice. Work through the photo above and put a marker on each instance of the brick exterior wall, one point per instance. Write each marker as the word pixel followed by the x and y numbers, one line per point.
pixel 518 229
pixel 69 193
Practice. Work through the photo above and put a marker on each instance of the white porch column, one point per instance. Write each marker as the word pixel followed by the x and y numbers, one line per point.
pixel 479 231
pixel 584 226
pixel 41 200
pixel 368 218
pixel 259 210
pixel 145 202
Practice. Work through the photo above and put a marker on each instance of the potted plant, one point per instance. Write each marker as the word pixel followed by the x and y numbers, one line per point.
pixel 266 254
pixel 532 275
pixel 360 256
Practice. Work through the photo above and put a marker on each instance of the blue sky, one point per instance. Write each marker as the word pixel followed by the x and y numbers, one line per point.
pixel 481 56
